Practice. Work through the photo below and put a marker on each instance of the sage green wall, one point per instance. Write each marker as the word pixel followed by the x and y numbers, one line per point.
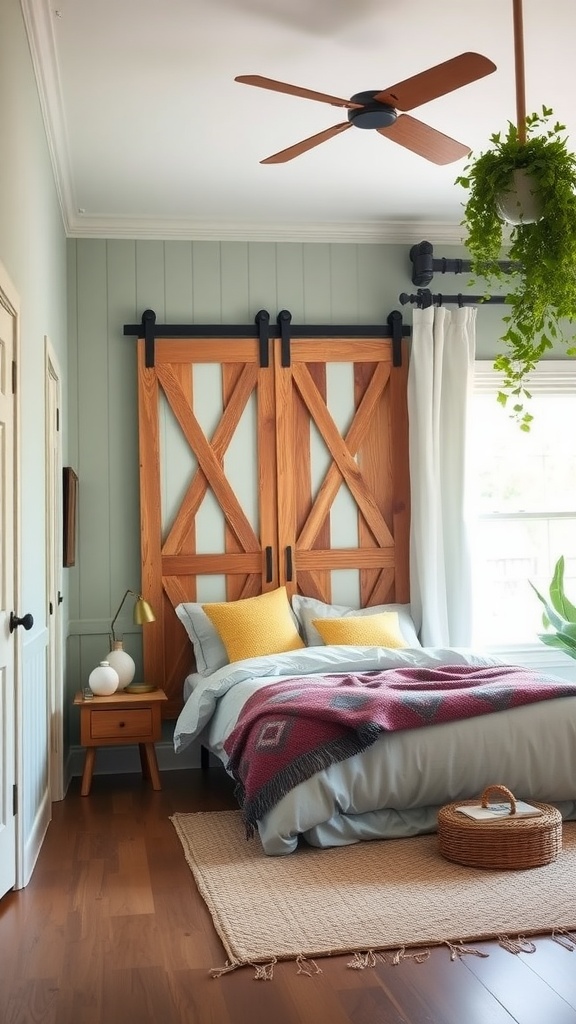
pixel 33 251
pixel 111 282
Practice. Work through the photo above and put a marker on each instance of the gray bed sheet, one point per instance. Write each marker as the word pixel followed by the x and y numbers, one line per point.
pixel 395 787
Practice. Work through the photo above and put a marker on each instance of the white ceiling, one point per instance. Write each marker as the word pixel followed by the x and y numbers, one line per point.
pixel 152 137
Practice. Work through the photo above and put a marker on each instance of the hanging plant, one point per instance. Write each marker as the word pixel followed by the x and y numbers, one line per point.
pixel 543 291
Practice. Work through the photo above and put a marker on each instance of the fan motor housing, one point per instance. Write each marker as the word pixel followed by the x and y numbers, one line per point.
pixel 373 114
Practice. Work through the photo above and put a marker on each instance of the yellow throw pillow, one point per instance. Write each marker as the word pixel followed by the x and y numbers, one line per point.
pixel 255 626
pixel 382 630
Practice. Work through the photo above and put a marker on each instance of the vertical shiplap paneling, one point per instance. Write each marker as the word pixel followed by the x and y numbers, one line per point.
pixel 290 279
pixel 123 420
pixel 150 279
pixel 206 282
pixel 344 284
pixel 317 290
pixel 397 268
pixel 92 433
pixel 375 300
pixel 234 283
pixel 70 424
pixel 93 429
pixel 262 279
pixel 383 273
pixel 178 275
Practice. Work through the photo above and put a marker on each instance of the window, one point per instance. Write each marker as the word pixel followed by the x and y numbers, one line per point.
pixel 522 501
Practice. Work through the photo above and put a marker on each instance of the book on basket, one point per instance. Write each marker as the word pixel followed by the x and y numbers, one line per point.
pixel 495 811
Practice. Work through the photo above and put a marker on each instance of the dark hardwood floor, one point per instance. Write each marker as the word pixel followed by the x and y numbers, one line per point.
pixel 111 930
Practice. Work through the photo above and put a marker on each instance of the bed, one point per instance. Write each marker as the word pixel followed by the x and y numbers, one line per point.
pixel 394 786
pixel 274 461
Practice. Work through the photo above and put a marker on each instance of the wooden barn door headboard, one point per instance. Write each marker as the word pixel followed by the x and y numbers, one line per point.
pixel 269 461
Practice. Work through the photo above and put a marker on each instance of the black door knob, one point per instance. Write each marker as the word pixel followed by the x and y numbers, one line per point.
pixel 27 621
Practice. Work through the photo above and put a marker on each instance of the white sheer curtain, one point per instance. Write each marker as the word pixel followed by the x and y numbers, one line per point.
pixel 439 383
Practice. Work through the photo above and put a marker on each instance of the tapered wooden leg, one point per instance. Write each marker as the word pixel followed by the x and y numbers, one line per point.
pixel 88 769
pixel 152 765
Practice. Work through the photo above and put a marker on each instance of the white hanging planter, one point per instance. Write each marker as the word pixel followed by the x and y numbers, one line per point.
pixel 521 204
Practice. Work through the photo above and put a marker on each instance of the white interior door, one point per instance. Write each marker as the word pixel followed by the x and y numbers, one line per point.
pixel 7 597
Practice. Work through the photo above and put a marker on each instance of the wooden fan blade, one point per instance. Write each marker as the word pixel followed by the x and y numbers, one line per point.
pixel 301 147
pixel 420 138
pixel 295 90
pixel 437 81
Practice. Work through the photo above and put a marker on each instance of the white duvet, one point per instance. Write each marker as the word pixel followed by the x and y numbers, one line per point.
pixel 395 787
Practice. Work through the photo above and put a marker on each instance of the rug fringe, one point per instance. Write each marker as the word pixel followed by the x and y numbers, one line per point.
pixel 518 945
pixel 361 960
pixel 307 966
pixel 565 939
pixel 419 956
pixel 264 972
pixel 230 965
pixel 458 950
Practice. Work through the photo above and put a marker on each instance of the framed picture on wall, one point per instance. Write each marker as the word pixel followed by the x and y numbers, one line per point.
pixel 69 515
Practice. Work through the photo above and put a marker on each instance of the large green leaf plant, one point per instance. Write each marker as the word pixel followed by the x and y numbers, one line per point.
pixel 559 616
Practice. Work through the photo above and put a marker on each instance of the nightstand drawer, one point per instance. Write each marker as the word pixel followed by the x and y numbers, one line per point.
pixel 122 724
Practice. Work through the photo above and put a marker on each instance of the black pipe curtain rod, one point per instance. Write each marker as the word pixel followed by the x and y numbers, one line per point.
pixel 424 298
pixel 424 264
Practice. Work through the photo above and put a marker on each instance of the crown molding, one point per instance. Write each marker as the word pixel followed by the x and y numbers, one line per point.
pixel 38 22
pixel 370 232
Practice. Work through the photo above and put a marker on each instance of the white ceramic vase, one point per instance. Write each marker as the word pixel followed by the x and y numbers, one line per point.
pixel 122 663
pixel 521 204
pixel 103 680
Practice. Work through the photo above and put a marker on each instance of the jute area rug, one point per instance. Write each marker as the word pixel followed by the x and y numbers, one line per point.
pixel 394 894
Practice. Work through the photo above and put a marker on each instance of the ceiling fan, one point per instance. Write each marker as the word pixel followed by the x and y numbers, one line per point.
pixel 383 110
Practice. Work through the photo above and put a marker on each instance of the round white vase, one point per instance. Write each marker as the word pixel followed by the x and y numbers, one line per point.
pixel 103 680
pixel 122 663
pixel 521 204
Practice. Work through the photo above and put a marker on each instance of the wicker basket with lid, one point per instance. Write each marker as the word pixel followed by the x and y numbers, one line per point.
pixel 505 843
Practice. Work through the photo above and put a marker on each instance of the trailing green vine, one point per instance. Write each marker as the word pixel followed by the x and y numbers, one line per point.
pixel 543 292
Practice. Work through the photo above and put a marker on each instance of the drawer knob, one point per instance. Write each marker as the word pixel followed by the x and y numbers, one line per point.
pixel 121 725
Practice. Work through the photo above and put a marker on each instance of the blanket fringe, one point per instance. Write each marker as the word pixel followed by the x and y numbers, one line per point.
pixel 518 945
pixel 459 950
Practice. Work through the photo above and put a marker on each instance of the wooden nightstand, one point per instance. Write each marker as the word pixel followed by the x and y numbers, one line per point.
pixel 119 720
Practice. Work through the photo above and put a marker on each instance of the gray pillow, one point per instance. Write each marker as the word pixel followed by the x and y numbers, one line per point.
pixel 308 608
pixel 209 650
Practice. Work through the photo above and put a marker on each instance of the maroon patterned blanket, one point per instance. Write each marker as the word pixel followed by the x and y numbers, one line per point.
pixel 288 731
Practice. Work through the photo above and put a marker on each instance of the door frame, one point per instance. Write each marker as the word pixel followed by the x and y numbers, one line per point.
pixel 11 302
pixel 54 654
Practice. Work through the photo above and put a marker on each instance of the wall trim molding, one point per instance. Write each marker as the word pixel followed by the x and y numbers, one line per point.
pixel 367 233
